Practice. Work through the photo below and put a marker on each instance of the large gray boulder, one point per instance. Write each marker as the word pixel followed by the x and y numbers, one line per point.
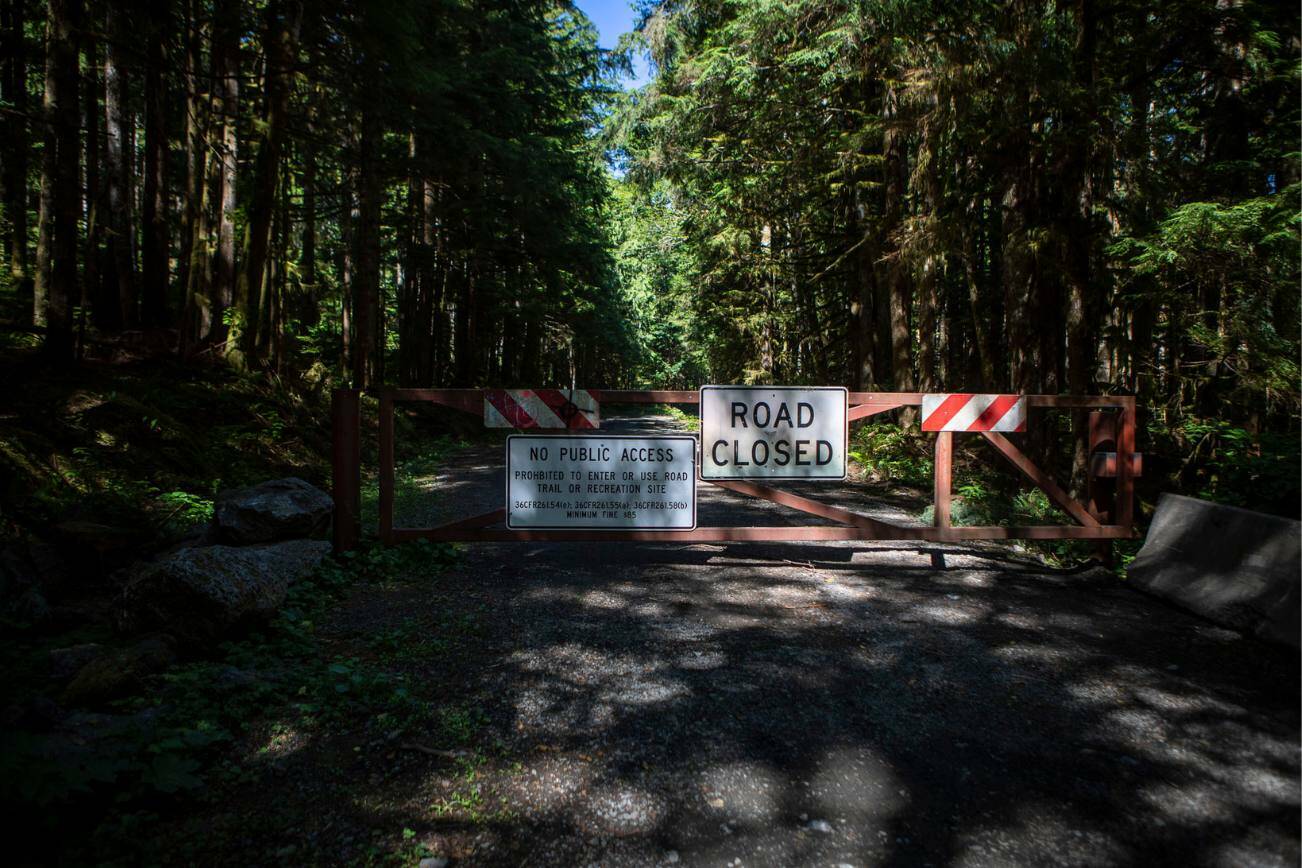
pixel 280 509
pixel 200 594
pixel 1238 568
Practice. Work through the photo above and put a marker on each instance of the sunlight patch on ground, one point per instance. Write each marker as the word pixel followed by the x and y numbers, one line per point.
pixel 1039 655
pixel 701 660
pixel 749 792
pixel 857 784
pixel 550 783
pixel 622 810
pixel 942 614
pixel 283 741
pixel 1189 803
pixel 1040 836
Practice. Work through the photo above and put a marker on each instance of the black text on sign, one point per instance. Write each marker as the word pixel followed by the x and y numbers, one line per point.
pixel 773 432
pixel 601 483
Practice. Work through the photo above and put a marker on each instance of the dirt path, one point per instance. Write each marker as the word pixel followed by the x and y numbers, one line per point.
pixel 785 704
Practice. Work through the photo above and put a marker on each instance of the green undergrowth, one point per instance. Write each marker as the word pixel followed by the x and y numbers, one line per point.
pixel 1227 464
pixel 147 445
pixel 984 495
pixel 1207 459
pixel 179 739
pixel 885 452
pixel 687 421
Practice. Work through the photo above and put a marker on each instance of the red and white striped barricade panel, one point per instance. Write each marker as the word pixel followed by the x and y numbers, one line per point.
pixel 965 412
pixel 540 408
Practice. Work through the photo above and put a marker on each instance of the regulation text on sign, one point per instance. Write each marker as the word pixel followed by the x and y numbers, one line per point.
pixel 600 483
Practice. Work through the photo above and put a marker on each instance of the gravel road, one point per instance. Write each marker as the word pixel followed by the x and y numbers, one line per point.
pixel 828 704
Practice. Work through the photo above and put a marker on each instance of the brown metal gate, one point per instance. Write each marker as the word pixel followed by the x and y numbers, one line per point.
pixel 1108 514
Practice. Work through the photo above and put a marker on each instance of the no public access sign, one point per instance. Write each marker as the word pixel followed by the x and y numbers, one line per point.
pixel 600 483
pixel 773 432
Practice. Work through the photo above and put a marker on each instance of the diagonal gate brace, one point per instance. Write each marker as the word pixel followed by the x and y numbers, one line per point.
pixel 813 507
pixel 1042 479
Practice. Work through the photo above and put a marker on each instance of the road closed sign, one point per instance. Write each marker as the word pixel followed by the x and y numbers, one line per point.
pixel 773 432
pixel 600 483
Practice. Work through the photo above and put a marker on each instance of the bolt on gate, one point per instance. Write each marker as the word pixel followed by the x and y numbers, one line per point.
pixel 1108 513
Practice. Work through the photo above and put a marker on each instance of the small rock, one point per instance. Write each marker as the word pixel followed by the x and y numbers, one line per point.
pixel 725 828
pixel 434 862
pixel 671 858
pixel 820 826
pixel 804 818
pixel 280 509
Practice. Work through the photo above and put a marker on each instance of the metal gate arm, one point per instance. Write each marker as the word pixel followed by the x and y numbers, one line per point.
pixel 863 411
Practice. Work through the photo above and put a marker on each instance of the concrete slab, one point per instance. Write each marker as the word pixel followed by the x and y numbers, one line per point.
pixel 1239 568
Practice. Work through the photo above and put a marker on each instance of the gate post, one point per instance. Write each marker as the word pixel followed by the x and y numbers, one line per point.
pixel 346 480
pixel 1101 494
pixel 944 466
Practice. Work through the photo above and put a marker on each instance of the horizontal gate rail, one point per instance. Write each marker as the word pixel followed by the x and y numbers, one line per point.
pixel 1108 514
pixel 774 533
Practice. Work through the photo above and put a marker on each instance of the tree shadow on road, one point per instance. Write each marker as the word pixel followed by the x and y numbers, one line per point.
pixel 804 704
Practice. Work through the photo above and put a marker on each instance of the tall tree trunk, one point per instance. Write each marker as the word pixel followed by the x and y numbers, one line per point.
pixel 190 197
pixel 16 144
pixel 467 360
pixel 49 168
pixel 276 281
pixel 1142 358
pixel 307 277
pixel 410 327
pixel 201 319
pixel 433 278
pixel 92 285
pixel 927 308
pixel 282 29
pixel 1077 232
pixel 1019 274
pixel 117 153
pixel 862 319
pixel 347 271
pixel 896 170
pixel 226 72
pixel 153 212
pixel 64 20
pixel 929 302
pixel 366 283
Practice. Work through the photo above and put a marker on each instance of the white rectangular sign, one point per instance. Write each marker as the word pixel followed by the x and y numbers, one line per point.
pixel 773 432
pixel 600 483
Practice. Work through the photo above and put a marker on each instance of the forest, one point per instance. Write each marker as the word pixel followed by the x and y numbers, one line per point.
pixel 214 212
pixel 1033 197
